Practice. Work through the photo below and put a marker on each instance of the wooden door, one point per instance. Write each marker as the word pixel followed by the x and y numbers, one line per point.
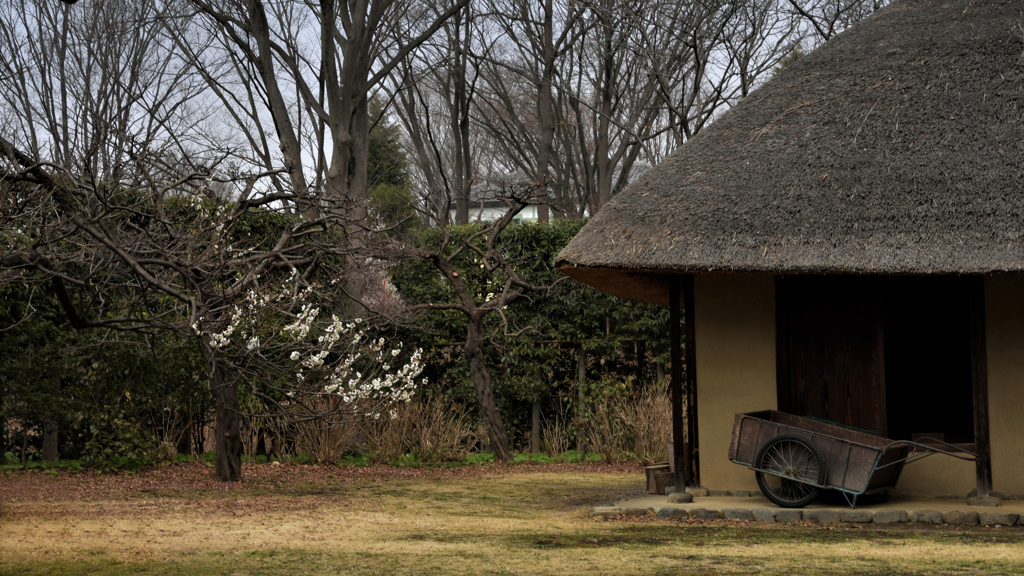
pixel 830 347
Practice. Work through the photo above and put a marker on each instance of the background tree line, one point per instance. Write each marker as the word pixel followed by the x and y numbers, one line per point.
pixel 165 164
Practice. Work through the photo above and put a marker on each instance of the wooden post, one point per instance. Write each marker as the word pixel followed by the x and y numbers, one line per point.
pixel 679 451
pixel 693 448
pixel 979 383
pixel 783 382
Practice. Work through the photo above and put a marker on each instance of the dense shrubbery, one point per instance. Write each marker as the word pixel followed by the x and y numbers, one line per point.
pixel 110 437
pixel 536 344
pixel 98 395
pixel 588 361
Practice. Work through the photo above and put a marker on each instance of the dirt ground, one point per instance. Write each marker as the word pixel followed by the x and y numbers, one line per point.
pixel 527 519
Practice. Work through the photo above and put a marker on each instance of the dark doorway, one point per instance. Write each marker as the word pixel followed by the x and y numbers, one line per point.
pixel 886 354
pixel 928 358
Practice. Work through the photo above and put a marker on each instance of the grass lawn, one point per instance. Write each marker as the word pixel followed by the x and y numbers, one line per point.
pixel 525 519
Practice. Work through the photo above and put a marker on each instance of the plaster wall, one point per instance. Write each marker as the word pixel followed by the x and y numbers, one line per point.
pixel 492 213
pixel 937 476
pixel 1004 340
pixel 734 318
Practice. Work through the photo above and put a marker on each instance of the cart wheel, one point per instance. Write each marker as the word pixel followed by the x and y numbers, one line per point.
pixel 787 469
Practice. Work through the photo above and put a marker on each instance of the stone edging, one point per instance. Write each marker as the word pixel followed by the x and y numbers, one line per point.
pixel 954 517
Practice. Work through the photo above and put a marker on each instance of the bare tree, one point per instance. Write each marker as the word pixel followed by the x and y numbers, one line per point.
pixel 575 95
pixel 592 76
pixel 826 18
pixel 519 110
pixel 88 88
pixel 435 88
pixel 762 33
pixel 312 67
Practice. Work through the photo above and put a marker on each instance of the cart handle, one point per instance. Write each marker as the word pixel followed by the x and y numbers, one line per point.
pixel 928 450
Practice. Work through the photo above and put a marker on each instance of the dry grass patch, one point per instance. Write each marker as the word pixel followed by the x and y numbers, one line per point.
pixel 515 521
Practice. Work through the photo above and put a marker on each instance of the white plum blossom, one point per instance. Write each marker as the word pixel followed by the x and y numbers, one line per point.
pixel 327 358
pixel 300 328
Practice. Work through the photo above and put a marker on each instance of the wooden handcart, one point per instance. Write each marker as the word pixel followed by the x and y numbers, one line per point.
pixel 794 458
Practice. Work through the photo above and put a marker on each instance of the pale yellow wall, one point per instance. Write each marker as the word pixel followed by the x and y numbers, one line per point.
pixel 1004 334
pixel 735 338
pixel 937 476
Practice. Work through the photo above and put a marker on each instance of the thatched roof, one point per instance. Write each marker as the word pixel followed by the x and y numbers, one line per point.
pixel 895 148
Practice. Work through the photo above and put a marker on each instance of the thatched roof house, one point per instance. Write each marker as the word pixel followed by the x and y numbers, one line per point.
pixel 895 149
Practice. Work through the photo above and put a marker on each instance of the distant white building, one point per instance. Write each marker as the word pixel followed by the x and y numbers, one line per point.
pixel 490 210
pixel 486 205
pixel 486 201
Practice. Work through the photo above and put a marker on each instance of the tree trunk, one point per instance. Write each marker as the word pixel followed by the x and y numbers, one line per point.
pixel 291 150
pixel 228 441
pixel 535 428
pixel 185 441
pixel 261 441
pixel 50 452
pixel 350 192
pixel 603 162
pixel 581 369
pixel 546 115
pixel 460 126
pixel 3 436
pixel 484 390
pixel 581 380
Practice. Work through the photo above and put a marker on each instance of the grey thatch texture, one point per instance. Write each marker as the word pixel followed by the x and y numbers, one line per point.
pixel 895 148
